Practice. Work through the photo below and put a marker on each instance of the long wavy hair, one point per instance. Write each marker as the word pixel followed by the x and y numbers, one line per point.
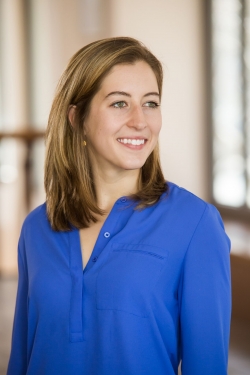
pixel 70 190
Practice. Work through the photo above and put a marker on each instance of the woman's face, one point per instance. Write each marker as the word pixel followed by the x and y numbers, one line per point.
pixel 124 120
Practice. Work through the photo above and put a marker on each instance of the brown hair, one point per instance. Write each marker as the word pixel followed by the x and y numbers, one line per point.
pixel 69 186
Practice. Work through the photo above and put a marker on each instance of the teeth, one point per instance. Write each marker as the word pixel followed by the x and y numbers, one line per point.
pixel 134 142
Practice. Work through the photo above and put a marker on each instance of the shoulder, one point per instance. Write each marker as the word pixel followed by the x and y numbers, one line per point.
pixel 36 215
pixel 188 209
pixel 179 195
pixel 37 235
pixel 36 221
pixel 181 202
pixel 207 224
pixel 186 200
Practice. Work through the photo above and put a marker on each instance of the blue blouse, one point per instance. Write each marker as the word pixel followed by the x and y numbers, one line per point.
pixel 156 290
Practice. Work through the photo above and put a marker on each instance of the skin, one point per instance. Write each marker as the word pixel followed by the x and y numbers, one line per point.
pixel 125 108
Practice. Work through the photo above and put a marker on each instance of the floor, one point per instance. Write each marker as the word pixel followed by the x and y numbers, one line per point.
pixel 239 356
pixel 7 304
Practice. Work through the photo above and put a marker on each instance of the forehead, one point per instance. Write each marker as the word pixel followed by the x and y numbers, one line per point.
pixel 130 76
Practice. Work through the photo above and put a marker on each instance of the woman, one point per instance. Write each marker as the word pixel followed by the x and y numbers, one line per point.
pixel 119 272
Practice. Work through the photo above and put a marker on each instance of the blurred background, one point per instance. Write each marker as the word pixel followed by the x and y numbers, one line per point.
pixel 204 46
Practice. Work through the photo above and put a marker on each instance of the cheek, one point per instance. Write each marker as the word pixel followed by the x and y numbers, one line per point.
pixel 93 130
pixel 156 127
pixel 155 123
pixel 159 128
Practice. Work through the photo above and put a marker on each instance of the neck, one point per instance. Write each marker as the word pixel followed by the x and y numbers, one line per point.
pixel 111 186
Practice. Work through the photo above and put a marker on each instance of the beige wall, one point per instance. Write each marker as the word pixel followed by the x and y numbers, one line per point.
pixel 174 29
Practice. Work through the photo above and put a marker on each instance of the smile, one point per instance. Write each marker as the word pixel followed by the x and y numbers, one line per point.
pixel 134 142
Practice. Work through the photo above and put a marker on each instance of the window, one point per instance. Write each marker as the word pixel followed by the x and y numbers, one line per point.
pixel 230 88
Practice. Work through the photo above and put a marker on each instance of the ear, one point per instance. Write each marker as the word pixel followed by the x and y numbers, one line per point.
pixel 71 114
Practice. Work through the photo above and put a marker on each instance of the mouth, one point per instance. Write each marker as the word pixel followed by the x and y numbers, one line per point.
pixel 132 141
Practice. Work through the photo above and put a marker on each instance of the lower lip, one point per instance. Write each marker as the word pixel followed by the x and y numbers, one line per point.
pixel 133 147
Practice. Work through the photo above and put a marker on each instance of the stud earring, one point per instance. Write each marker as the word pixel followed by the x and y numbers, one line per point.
pixel 84 143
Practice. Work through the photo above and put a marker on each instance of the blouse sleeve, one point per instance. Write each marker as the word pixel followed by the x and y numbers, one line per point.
pixel 18 356
pixel 205 299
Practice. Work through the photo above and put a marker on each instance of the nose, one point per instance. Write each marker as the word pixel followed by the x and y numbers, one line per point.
pixel 137 118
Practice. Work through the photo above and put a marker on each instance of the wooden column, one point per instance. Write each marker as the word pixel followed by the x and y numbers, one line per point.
pixel 28 137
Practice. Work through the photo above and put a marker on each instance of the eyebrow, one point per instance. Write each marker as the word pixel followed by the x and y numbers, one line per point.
pixel 127 94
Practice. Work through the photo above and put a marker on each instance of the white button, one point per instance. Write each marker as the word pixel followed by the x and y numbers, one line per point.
pixel 107 234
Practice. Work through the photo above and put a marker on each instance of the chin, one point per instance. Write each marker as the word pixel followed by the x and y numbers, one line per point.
pixel 131 163
pixel 132 166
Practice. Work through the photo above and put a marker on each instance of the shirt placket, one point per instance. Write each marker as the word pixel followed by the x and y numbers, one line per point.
pixel 106 234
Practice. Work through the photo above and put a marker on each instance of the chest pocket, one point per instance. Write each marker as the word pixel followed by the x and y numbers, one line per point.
pixel 126 282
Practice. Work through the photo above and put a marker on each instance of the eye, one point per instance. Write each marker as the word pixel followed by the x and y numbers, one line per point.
pixel 151 104
pixel 120 104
